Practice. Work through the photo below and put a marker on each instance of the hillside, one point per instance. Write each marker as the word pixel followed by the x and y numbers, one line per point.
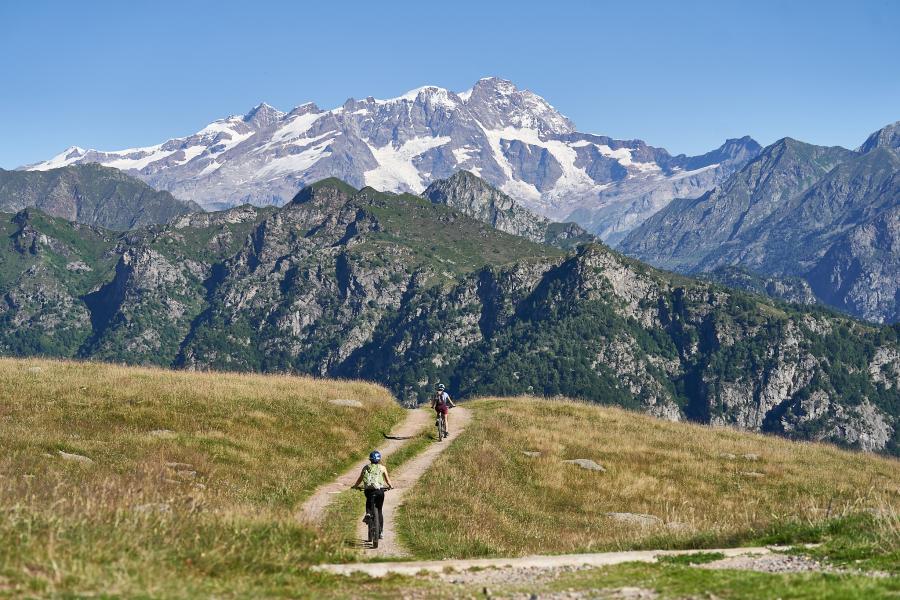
pixel 395 289
pixel 90 194
pixel 135 482
pixel 824 215
pixel 663 485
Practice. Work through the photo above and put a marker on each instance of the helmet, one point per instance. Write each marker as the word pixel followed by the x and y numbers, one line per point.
pixel 375 456
pixel 441 387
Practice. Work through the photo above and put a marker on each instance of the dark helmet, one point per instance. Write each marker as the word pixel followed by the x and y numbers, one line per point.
pixel 375 456
pixel 441 387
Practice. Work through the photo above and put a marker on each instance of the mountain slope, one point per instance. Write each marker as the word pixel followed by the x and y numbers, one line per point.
pixel 474 197
pixel 683 234
pixel 512 138
pixel 90 194
pixel 826 215
pixel 886 137
pixel 676 482
pixel 393 288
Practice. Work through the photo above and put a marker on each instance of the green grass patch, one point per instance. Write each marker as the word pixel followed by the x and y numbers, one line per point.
pixel 674 581
pixel 691 559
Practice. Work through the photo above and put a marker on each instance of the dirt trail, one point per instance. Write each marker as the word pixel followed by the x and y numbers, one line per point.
pixel 601 559
pixel 313 510
pixel 405 478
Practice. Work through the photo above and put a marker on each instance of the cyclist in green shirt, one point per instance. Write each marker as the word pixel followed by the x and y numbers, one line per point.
pixel 374 480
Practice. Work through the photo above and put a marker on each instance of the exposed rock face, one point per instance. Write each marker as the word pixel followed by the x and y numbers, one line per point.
pixel 886 137
pixel 512 138
pixel 393 288
pixel 90 194
pixel 828 216
pixel 474 197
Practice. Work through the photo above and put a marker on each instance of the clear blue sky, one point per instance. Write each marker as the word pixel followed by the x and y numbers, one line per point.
pixel 678 74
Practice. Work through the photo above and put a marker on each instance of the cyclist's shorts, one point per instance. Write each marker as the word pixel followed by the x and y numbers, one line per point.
pixel 441 409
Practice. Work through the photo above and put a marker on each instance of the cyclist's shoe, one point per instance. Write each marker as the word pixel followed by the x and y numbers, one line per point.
pixel 437 423
pixel 367 519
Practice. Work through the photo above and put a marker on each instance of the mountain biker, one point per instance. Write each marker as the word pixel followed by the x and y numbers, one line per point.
pixel 441 403
pixel 375 480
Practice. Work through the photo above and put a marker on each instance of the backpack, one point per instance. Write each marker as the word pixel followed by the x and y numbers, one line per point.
pixel 440 400
pixel 373 476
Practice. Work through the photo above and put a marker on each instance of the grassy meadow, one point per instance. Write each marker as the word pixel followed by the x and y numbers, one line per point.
pixel 132 482
pixel 707 487
pixel 192 483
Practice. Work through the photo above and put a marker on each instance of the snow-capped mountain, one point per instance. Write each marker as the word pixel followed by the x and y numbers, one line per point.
pixel 512 138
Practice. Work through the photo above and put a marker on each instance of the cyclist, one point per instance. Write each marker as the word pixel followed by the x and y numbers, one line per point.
pixel 374 480
pixel 441 403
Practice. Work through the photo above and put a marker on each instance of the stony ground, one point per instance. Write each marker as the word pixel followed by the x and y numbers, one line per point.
pixel 781 563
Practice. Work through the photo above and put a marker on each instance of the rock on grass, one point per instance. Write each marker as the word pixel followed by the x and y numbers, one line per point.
pixel 75 457
pixel 634 518
pixel 586 463
pixel 345 402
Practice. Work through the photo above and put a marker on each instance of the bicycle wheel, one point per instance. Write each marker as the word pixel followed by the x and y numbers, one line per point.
pixel 375 529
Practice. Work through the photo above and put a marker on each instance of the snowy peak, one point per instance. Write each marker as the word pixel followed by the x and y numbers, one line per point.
pixel 429 93
pixel 66 157
pixel 510 137
pixel 263 115
pixel 498 103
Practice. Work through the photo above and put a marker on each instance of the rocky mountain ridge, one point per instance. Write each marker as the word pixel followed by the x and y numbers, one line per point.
pixel 827 216
pixel 90 194
pixel 512 138
pixel 475 198
pixel 395 288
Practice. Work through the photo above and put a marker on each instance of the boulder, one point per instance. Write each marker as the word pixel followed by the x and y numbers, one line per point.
pixel 586 463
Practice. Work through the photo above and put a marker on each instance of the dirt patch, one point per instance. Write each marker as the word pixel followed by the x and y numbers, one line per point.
pixel 781 563
pixel 624 593
pixel 507 576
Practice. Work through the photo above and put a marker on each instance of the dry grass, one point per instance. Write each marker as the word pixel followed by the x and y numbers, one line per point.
pixel 194 476
pixel 488 498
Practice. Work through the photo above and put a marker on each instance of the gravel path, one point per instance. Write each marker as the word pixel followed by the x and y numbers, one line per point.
pixel 313 510
pixel 405 478
pixel 599 559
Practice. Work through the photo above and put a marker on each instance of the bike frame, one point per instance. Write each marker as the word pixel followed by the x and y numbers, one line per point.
pixel 374 525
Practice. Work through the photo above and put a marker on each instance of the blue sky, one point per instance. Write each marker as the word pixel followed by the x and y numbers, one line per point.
pixel 681 75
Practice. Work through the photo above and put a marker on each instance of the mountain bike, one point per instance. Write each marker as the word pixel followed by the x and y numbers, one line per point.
pixel 441 424
pixel 373 519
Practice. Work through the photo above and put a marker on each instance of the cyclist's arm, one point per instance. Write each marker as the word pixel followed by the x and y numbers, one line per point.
pixel 450 401
pixel 359 479
pixel 387 478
